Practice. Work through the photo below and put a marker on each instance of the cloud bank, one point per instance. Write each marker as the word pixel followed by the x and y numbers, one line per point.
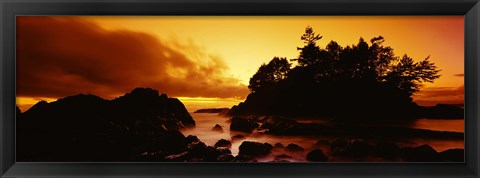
pixel 62 56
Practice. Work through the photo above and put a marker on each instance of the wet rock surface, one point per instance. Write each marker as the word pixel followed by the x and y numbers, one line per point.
pixel 217 128
pixel 254 149
pixel 293 148
pixel 316 155
pixel 223 143
pixel 243 124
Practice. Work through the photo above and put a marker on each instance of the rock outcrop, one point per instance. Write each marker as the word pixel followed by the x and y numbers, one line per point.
pixel 89 128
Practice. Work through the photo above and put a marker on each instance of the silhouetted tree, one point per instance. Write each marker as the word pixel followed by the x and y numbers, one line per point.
pixel 365 79
pixel 310 53
pixel 270 74
pixel 408 75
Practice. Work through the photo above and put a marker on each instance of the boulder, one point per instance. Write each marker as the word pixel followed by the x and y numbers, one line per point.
pixel 225 158
pixel 339 147
pixel 223 143
pixel 171 142
pixel 224 150
pixel 293 148
pixel 238 137
pixel 359 148
pixel 452 155
pixel 191 138
pixel 387 150
pixel 254 149
pixel 316 155
pixel 217 128
pixel 244 158
pixel 243 124
pixel 423 153
pixel 280 161
pixel 282 157
pixel 279 145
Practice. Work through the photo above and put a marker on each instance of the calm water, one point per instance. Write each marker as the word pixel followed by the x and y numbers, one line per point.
pixel 206 121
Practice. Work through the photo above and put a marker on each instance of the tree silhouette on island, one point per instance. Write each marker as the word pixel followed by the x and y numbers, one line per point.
pixel 363 81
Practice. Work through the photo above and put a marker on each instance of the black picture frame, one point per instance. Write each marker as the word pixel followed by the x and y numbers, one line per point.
pixel 470 9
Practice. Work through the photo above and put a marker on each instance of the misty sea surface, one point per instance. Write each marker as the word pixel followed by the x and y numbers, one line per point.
pixel 206 121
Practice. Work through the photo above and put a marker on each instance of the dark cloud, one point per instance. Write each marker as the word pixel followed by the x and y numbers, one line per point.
pixel 459 75
pixel 435 95
pixel 61 56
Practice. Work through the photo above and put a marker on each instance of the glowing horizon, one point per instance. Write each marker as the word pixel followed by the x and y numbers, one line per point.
pixel 211 58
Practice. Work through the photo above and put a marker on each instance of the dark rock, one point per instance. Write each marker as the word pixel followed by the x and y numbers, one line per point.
pixel 316 156
pixel 191 138
pixel 283 126
pixel 279 145
pixel 279 126
pixel 293 148
pixel 282 156
pixel 254 149
pixel 224 150
pixel 177 157
pixel 244 158
pixel 223 143
pixel 150 157
pixel 217 128
pixel 197 151
pixel 238 137
pixel 359 148
pixel 423 153
pixel 339 147
pixel 96 129
pixel 211 154
pixel 243 124
pixel 452 155
pixel 280 161
pixel 225 158
pixel 387 150
pixel 174 138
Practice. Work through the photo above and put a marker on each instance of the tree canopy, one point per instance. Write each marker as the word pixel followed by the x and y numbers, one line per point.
pixel 333 77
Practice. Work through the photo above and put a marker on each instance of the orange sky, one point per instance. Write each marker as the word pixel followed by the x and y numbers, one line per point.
pixel 209 59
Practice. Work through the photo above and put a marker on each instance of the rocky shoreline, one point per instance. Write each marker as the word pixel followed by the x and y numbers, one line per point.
pixel 145 126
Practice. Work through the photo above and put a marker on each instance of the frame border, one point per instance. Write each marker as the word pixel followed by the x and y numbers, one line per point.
pixel 9 9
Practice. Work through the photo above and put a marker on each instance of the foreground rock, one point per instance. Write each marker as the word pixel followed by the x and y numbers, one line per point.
pixel 88 128
pixel 387 150
pixel 254 149
pixel 238 138
pixel 293 148
pixel 423 153
pixel 217 128
pixel 223 143
pixel 452 155
pixel 316 156
pixel 339 147
pixel 243 124
pixel 359 148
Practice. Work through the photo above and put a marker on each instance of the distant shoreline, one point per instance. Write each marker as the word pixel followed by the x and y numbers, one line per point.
pixel 212 110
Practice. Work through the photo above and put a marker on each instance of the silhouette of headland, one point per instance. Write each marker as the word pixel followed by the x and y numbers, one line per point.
pixel 89 128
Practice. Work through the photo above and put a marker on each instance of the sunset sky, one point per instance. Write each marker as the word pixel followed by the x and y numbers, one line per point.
pixel 207 61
